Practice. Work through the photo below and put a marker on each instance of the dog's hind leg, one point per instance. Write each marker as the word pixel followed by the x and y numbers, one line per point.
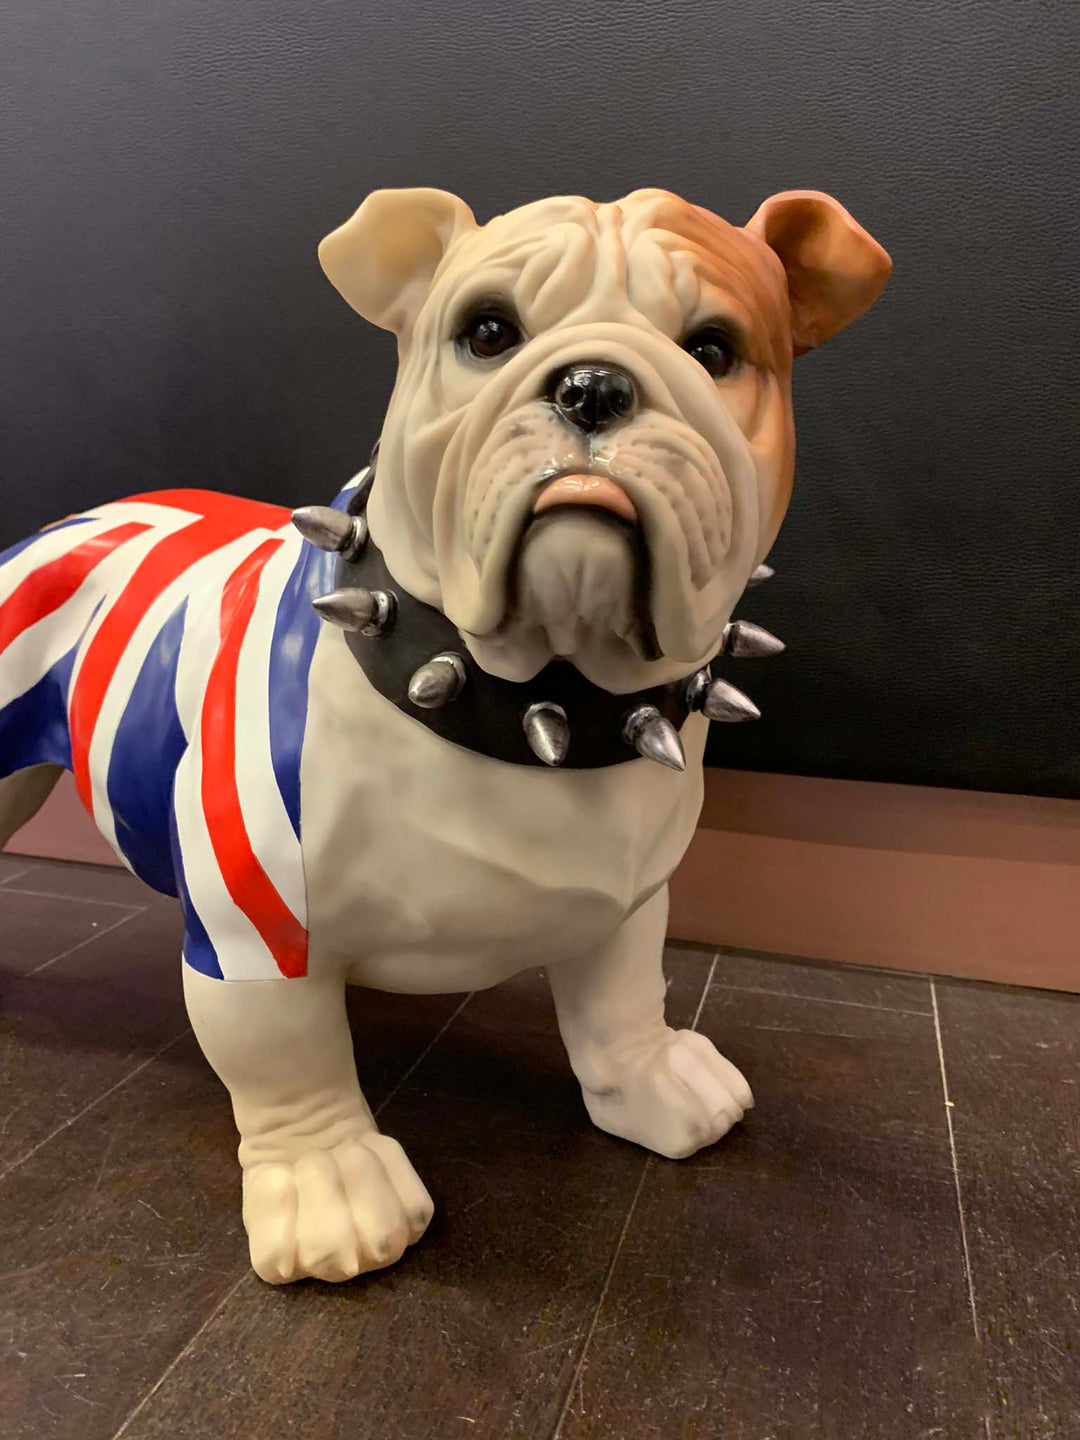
pixel 22 796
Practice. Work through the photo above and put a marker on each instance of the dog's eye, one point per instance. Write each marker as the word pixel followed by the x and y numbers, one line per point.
pixel 713 347
pixel 490 333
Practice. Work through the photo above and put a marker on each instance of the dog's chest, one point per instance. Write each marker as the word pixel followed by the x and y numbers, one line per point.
pixel 432 868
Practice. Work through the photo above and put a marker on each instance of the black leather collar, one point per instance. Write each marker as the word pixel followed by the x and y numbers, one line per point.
pixel 487 715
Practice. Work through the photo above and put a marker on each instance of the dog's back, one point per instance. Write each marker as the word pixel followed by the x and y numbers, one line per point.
pixel 158 647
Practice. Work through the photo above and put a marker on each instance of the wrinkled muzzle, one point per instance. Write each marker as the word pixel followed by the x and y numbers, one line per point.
pixel 676 455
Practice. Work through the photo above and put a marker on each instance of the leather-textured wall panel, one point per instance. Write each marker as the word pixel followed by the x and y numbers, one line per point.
pixel 168 169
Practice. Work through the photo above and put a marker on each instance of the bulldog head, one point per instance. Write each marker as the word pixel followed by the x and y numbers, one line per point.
pixel 590 445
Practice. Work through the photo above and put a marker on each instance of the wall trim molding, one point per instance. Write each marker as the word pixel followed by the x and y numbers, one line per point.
pixel 951 882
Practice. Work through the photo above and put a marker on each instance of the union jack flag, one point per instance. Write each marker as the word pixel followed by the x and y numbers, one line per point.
pixel 159 648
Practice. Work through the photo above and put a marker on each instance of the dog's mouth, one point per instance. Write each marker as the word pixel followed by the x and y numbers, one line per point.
pixel 610 551
pixel 596 492
pixel 580 572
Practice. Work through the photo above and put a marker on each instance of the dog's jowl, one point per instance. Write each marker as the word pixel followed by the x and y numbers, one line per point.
pixel 451 725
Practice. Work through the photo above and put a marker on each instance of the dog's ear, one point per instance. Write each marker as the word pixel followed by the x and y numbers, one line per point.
pixel 384 257
pixel 835 270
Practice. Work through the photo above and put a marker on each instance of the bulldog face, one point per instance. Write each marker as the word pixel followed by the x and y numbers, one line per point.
pixel 589 445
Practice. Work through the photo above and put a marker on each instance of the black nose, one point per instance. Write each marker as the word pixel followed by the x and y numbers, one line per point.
pixel 592 397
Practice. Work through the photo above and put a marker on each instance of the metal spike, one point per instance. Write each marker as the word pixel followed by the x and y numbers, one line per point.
pixel 695 688
pixel 385 613
pixel 438 682
pixel 746 641
pixel 548 731
pixel 369 611
pixel 332 529
pixel 725 703
pixel 654 737
pixel 352 609
pixel 760 575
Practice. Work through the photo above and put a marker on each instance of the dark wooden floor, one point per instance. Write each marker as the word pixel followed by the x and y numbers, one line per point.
pixel 888 1248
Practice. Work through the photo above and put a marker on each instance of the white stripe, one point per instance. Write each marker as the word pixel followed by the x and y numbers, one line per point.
pixel 202 629
pixel 241 952
pixel 122 512
pixel 42 644
pixel 133 552
pixel 206 569
pixel 266 820
pixel 49 545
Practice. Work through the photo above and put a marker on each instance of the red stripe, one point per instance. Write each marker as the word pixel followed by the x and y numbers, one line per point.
pixel 50 585
pixel 212 505
pixel 245 879
pixel 168 560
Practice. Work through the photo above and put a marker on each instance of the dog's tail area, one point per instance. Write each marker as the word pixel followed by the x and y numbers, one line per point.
pixel 36 656
pixel 22 796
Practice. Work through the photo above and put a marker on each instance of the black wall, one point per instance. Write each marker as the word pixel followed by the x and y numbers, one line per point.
pixel 168 168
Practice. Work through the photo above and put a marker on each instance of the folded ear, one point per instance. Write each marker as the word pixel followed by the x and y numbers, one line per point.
pixel 835 270
pixel 383 258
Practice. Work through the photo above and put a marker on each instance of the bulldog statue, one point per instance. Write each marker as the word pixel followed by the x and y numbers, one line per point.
pixel 490 758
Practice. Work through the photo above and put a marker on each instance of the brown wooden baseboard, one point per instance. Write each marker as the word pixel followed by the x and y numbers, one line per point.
pixel 952 882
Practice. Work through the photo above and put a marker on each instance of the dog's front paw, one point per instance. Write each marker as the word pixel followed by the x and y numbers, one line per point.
pixel 674 1096
pixel 333 1214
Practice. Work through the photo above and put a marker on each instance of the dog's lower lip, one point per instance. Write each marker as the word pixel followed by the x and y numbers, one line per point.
pixel 595 490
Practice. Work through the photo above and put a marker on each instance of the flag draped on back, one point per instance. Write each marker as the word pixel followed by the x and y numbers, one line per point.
pixel 159 647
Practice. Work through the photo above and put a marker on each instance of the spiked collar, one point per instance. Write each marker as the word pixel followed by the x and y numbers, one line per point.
pixel 415 658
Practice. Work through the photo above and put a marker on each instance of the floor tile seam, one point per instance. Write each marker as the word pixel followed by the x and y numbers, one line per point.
pixel 74 1119
pixel 411 1070
pixel 620 1242
pixel 955 1165
pixel 182 1354
pixel 820 999
pixel 220 1307
pixel 82 944
pixel 72 899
